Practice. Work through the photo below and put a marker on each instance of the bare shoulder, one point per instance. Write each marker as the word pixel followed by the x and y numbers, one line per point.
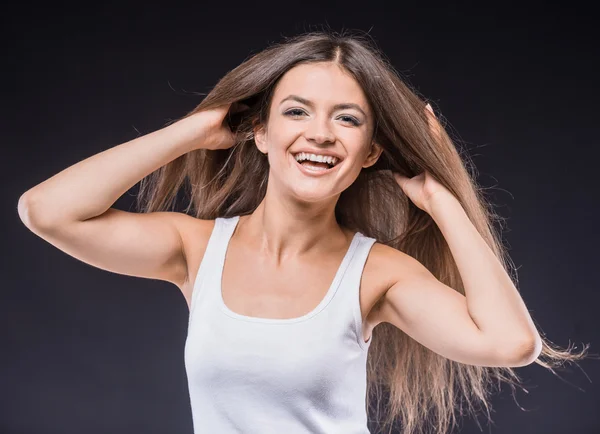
pixel 393 263
pixel 195 234
pixel 385 266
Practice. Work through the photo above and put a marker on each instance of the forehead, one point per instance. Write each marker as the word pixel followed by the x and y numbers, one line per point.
pixel 322 83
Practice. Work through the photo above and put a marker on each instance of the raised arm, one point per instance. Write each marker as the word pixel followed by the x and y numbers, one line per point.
pixel 72 209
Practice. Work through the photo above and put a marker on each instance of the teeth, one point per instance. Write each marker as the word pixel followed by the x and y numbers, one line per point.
pixel 302 156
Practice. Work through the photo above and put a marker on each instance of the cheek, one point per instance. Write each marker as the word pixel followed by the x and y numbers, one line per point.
pixel 282 140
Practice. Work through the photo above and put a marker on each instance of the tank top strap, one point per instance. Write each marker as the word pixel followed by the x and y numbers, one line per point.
pixel 361 253
pixel 348 294
pixel 213 259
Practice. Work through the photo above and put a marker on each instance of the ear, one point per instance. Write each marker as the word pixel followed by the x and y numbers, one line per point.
pixel 373 156
pixel 260 137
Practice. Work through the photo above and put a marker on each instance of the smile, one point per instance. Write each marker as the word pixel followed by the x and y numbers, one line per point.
pixel 314 164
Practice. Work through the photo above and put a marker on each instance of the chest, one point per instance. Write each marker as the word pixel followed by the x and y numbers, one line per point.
pixel 253 288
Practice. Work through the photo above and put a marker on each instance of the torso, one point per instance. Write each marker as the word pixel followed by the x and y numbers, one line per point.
pixel 251 288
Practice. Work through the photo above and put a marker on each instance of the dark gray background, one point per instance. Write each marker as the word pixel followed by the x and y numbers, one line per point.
pixel 83 350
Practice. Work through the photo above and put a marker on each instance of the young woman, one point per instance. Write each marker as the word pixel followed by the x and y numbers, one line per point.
pixel 333 219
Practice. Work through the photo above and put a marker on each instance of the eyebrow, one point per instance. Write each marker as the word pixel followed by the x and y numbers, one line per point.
pixel 309 103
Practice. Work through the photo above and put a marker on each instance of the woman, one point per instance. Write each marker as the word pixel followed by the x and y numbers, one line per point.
pixel 333 219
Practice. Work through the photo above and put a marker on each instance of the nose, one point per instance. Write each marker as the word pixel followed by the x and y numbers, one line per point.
pixel 319 131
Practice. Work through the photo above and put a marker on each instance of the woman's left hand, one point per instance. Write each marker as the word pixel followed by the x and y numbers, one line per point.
pixel 422 188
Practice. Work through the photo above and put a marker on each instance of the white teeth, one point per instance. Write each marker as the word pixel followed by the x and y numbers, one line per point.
pixel 314 157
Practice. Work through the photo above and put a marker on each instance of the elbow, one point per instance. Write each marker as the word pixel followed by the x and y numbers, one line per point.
pixel 29 212
pixel 526 352
pixel 24 209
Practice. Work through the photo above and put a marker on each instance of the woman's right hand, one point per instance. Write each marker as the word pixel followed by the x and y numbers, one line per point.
pixel 213 128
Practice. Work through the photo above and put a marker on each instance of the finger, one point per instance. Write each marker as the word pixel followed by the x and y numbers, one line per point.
pixel 432 121
pixel 428 107
pixel 400 179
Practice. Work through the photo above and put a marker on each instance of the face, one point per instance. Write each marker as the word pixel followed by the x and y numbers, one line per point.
pixel 317 109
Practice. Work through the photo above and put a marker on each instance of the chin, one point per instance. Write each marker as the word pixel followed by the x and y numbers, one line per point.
pixel 312 194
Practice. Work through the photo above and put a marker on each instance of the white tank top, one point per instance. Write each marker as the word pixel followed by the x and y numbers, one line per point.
pixel 263 375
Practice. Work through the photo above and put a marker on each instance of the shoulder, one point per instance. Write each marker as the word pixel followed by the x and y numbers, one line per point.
pixel 385 267
pixel 391 264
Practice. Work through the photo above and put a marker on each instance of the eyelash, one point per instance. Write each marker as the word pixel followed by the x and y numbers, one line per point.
pixel 353 120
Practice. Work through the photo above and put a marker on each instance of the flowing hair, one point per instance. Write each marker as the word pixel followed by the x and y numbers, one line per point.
pixel 411 383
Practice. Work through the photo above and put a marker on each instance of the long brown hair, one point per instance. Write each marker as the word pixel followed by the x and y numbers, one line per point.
pixel 421 386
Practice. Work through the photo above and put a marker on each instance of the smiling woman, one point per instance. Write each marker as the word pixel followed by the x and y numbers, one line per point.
pixel 318 110
pixel 324 95
pixel 337 247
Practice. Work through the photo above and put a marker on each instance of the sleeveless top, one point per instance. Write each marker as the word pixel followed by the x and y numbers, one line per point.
pixel 263 375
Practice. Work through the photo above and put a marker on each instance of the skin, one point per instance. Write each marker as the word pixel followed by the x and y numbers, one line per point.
pixel 294 227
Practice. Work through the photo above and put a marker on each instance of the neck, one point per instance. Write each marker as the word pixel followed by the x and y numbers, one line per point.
pixel 283 230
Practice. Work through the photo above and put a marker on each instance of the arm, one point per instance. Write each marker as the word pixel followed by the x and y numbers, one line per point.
pixel 489 327
pixel 90 187
pixel 71 210
pixel 493 302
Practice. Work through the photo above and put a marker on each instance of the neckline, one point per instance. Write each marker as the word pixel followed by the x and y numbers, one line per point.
pixel 233 221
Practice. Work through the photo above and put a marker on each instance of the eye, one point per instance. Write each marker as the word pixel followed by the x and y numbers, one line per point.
pixel 294 112
pixel 352 120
